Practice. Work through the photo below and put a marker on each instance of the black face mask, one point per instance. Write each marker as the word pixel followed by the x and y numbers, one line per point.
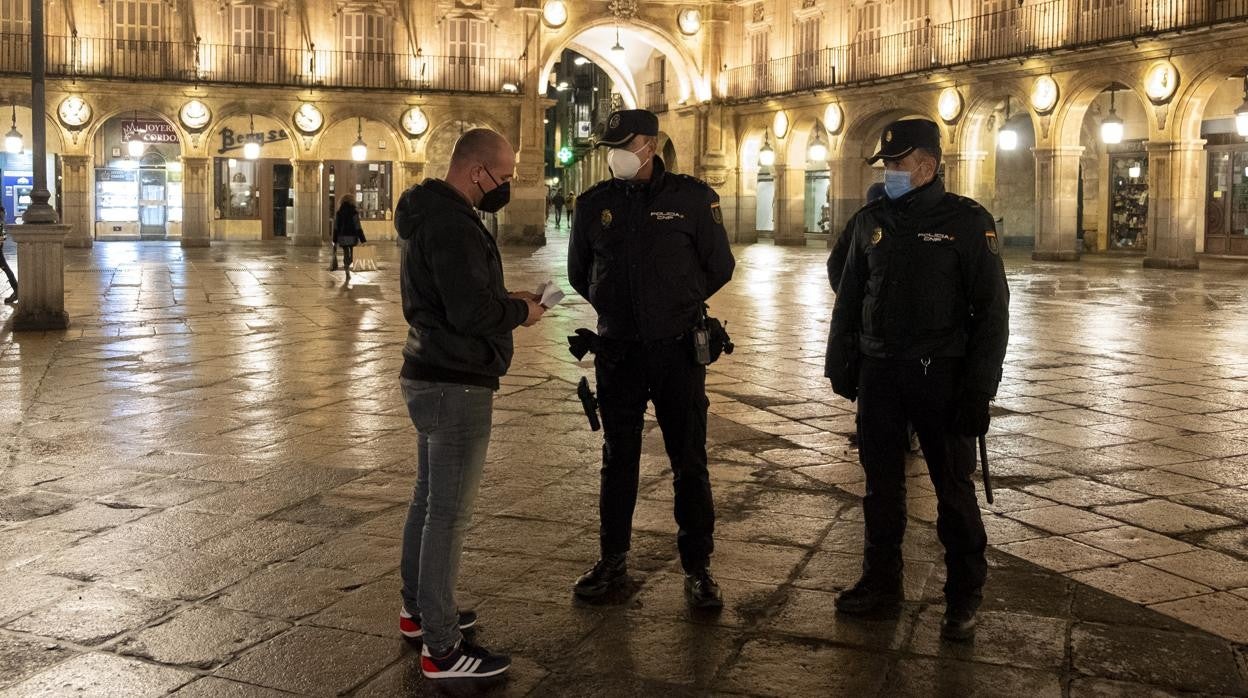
pixel 494 200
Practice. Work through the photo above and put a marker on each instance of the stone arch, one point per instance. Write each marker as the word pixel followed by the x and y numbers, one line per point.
pixel 448 126
pixel 1003 182
pixel 104 115
pixel 1082 90
pixel 970 129
pixel 678 55
pixel 25 115
pixel 797 140
pixel 238 110
pixel 1191 102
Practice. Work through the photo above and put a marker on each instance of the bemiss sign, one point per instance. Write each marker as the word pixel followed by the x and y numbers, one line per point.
pixel 233 141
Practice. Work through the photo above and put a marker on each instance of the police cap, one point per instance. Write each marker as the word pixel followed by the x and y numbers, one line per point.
pixel 900 138
pixel 624 124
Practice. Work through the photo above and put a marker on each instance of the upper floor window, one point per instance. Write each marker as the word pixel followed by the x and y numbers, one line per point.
pixel 465 39
pixel 255 29
pixel 914 14
pixel 806 35
pixel 365 35
pixel 758 48
pixel 138 20
pixel 14 16
pixel 867 29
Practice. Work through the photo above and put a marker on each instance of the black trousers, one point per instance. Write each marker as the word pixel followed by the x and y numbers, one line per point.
pixel 630 374
pixel 4 266
pixel 348 256
pixel 889 394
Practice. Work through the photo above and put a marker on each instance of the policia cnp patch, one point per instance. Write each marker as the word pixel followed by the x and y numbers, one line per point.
pixel 716 215
pixel 990 236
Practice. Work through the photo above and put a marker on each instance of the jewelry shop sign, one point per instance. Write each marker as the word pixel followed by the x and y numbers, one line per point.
pixel 147 131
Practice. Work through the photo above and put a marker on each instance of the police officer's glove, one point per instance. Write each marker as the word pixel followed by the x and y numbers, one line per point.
pixel 971 417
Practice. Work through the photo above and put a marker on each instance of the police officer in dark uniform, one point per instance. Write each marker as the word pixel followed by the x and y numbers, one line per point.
pixel 919 333
pixel 647 248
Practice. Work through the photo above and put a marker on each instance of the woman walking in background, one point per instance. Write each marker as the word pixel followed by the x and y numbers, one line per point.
pixel 347 230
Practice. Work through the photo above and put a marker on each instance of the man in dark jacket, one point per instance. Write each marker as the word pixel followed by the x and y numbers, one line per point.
pixel 647 249
pixel 460 319
pixel 919 333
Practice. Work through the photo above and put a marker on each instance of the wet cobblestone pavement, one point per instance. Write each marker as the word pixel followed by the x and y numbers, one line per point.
pixel 205 481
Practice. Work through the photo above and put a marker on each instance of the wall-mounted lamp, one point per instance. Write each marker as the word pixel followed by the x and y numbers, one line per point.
pixel 818 149
pixel 1111 126
pixel 1007 137
pixel 766 155
pixel 251 149
pixel 13 139
pixel 359 149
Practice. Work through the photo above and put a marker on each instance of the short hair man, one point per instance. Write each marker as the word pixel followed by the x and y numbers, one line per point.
pixel 460 319
pixel 647 249
pixel 919 334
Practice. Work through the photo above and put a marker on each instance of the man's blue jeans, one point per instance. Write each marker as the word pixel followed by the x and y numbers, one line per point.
pixel 453 426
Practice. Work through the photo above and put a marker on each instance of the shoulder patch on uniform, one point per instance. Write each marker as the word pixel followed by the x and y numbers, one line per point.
pixel 716 214
pixel 990 236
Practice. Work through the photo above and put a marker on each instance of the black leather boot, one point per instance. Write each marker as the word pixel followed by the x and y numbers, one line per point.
pixel 606 573
pixel 869 596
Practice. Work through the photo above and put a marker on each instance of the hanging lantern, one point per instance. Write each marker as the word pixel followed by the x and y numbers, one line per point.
pixel 13 139
pixel 359 149
pixel 1111 127
pixel 767 156
pixel 251 149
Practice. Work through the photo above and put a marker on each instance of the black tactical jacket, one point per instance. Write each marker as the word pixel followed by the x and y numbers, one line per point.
pixel 923 279
pixel 647 255
pixel 458 313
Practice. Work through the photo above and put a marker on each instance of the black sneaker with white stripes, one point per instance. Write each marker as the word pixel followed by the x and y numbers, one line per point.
pixel 466 661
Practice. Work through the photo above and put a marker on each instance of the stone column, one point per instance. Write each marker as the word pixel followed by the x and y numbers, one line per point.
pixel 308 203
pixel 790 200
pixel 197 201
pixel 524 222
pixel 847 193
pixel 76 200
pixel 746 215
pixel 1057 201
pixel 963 171
pixel 41 266
pixel 1176 203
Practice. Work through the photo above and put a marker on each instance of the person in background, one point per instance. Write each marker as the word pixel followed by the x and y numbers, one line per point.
pixel 558 201
pixel 348 232
pixel 4 262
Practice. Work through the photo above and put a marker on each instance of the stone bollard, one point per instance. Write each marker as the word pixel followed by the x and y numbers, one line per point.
pixel 41 281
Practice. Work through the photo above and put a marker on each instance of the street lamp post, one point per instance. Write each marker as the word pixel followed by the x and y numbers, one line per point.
pixel 40 239
pixel 39 212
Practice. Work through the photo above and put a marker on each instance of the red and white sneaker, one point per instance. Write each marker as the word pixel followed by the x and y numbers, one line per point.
pixel 409 625
pixel 465 661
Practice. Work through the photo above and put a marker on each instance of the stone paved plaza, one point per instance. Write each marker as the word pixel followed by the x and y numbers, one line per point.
pixel 206 477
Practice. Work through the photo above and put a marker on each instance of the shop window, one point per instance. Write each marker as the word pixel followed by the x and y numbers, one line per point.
pixel 372 189
pixel 237 188
pixel 1128 212
pixel 14 17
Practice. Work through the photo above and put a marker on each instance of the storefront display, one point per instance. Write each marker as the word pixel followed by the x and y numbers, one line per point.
pixel 817 184
pixel 1128 201
pixel 138 185
pixel 254 190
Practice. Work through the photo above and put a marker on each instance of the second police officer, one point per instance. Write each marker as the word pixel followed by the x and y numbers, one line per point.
pixel 919 334
pixel 647 249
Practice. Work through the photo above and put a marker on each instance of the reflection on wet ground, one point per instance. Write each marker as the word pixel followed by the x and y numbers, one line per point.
pixel 206 478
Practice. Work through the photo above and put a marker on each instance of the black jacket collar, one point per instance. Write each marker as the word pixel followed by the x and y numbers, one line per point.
pixel 919 201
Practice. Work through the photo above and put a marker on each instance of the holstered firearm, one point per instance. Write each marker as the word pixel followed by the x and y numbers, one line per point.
pixel 589 403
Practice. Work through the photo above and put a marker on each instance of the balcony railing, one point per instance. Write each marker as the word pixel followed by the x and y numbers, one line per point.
pixel 1018 31
pixel 86 57
pixel 656 97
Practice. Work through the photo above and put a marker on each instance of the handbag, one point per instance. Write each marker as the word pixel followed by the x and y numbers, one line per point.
pixel 364 259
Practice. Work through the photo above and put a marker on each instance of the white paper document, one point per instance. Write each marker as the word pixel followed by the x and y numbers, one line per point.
pixel 550 293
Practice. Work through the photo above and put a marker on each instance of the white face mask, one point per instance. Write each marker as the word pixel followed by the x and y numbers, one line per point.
pixel 624 164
